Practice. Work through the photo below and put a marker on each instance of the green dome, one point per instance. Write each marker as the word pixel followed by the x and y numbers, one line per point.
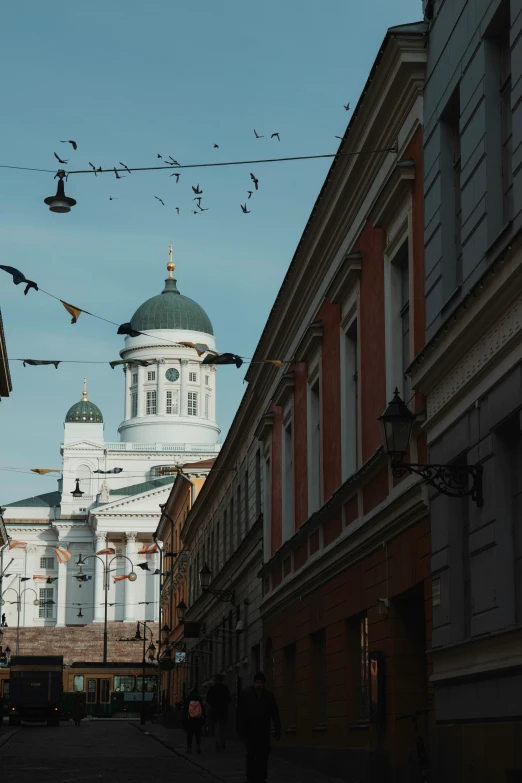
pixel 85 411
pixel 171 310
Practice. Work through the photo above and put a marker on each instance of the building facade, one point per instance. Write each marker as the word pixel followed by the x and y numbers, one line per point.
pixel 326 555
pixel 5 376
pixel 109 494
pixel 470 373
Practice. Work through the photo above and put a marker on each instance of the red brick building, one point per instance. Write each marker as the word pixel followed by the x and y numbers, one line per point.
pixel 346 606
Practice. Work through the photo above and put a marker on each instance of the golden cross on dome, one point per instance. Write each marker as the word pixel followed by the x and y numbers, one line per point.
pixel 171 265
pixel 84 395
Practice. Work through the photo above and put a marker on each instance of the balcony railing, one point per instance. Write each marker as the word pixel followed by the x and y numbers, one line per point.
pixel 187 448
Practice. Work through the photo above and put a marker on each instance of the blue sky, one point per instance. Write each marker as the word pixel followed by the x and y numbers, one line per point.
pixel 128 80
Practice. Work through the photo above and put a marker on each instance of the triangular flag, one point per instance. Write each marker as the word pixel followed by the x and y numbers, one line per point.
pixel 18 278
pixel 63 555
pixel 44 578
pixel 109 551
pixel 38 362
pixel 200 348
pixel 144 566
pixel 51 580
pixel 127 329
pixel 74 311
pixel 148 550
pixel 43 471
pixel 131 363
pixel 17 544
pixel 223 358
pixel 275 362
pixel 119 578
pixel 25 579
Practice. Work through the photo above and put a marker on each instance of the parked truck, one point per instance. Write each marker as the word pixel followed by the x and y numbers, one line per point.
pixel 35 689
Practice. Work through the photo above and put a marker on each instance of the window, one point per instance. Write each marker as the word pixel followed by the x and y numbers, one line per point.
pixel 231 527
pixel 193 377
pixel 134 404
pixel 238 635
pixel 151 375
pixel 258 484
pixel 507 124
pixel 288 482
pixel 451 211
pixel 134 378
pixel 267 497
pixel 239 511
pixel 246 501
pixel 47 563
pixel 398 323
pixel 192 404
pixel 172 405
pixel 45 597
pixel 218 562
pixel 91 691
pixel 151 684
pixel 290 685
pixel 151 403
pixel 211 556
pixel 314 459
pixel 105 691
pixel 207 406
pixel 404 272
pixel 363 691
pixel 207 380
pixel 319 664
pixel 78 682
pixel 350 401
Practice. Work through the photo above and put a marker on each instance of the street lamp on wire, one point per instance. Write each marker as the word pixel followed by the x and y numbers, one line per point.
pixel 80 577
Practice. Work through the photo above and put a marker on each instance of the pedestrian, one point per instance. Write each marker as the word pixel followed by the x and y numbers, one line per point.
pixel 193 719
pixel 257 709
pixel 78 709
pixel 218 699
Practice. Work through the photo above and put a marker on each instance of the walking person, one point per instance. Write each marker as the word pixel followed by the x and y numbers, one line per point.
pixel 218 699
pixel 78 709
pixel 257 709
pixel 192 717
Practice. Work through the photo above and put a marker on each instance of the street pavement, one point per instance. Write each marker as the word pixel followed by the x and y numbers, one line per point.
pixel 126 752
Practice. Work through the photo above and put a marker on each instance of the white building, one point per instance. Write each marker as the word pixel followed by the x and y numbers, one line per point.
pixel 169 419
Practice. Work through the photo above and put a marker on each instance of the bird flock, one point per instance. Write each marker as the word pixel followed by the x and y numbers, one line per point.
pixel 170 161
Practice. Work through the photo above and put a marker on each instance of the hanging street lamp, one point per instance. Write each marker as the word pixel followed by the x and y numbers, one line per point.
pixel 205 578
pixel 77 493
pixel 452 480
pixel 60 202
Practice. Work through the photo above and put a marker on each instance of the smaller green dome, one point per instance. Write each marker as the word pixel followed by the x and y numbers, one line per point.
pixel 85 410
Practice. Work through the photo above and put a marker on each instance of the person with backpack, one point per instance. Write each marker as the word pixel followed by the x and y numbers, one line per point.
pixel 218 699
pixel 193 719
pixel 257 710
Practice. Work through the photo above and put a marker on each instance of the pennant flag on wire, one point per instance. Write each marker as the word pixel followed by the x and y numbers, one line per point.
pixel 144 566
pixel 131 362
pixel 43 471
pixel 200 348
pixel 43 578
pixel 62 555
pixel 113 470
pixel 275 362
pixel 223 358
pixel 148 550
pixel 17 544
pixel 127 329
pixel 38 362
pixel 18 278
pixel 109 551
pixel 119 578
pixel 25 579
pixel 51 580
pixel 74 311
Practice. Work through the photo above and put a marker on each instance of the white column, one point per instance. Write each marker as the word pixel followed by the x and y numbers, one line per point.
pixel 141 391
pixel 213 377
pixel 61 592
pixel 129 610
pixel 157 583
pixel 202 393
pixel 160 393
pixel 128 379
pixel 99 594
pixel 183 387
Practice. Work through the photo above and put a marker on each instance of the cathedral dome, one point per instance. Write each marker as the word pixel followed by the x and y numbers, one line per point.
pixel 85 410
pixel 171 310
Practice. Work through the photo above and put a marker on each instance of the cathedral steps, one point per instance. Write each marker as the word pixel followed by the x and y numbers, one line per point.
pixel 81 643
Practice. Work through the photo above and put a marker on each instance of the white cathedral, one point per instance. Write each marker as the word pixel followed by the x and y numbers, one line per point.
pixel 169 419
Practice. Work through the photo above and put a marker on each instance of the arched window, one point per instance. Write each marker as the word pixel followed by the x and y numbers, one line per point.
pixel 84 473
pixel 269 663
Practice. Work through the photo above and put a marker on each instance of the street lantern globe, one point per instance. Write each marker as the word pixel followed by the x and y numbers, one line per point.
pixel 152 647
pixel 181 609
pixel 396 423
pixel 60 202
pixel 36 602
pixel 165 630
pixel 132 577
pixel 205 577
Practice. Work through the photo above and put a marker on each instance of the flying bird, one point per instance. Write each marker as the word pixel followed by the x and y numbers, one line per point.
pixel 197 189
pixel 99 169
pixel 201 208
pixel 70 141
pixel 117 175
pixel 275 134
pixel 177 177
pixel 255 181
pixel 112 199
pixel 197 198
pixel 93 168
pixel 347 107
pixel 194 212
pixel 249 193
pixel 216 146
pixel 339 137
pixel 59 159
pixel 177 210
pixel 125 167
pixel 159 156
pixel 244 208
pixel 257 135
pixel 162 202
pixel 174 162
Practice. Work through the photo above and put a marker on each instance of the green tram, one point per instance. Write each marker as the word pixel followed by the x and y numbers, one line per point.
pixel 110 690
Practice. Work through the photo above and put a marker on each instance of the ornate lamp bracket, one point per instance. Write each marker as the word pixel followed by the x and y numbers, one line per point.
pixel 451 480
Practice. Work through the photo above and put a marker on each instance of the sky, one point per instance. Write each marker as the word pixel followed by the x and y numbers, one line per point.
pixel 127 81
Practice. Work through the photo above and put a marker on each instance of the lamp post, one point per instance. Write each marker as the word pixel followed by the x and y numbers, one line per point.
pixel 151 650
pixel 205 578
pixel 453 480
pixel 80 577
pixel 19 595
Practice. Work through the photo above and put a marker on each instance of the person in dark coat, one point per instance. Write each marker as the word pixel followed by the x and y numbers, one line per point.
pixel 192 717
pixel 218 699
pixel 78 709
pixel 257 709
